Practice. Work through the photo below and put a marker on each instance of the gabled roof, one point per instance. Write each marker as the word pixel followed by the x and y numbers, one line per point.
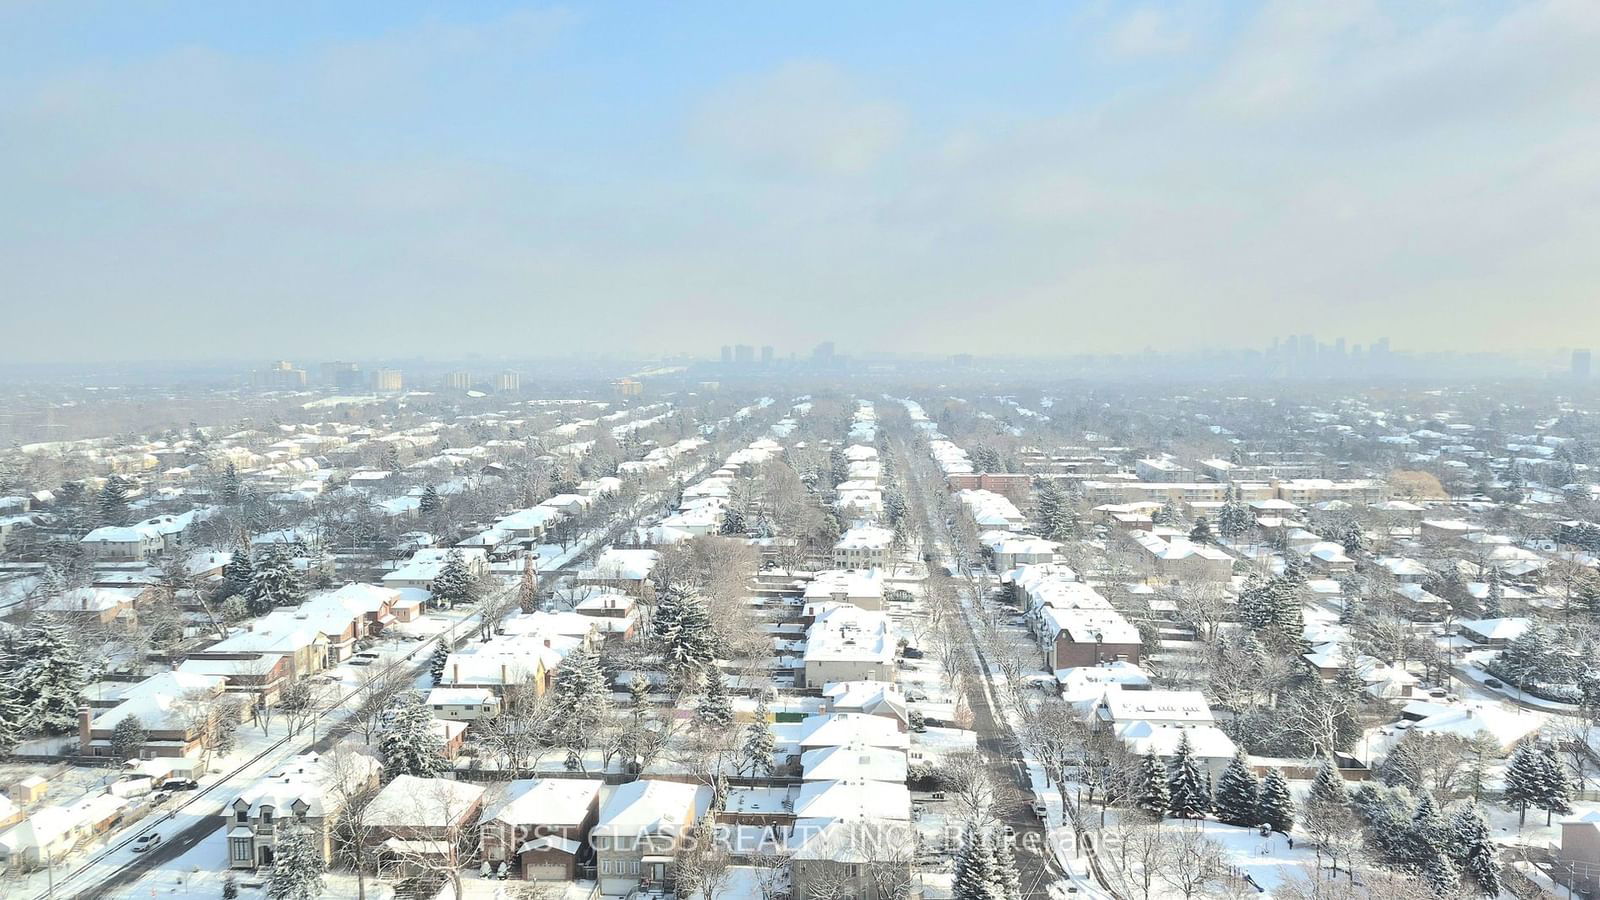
pixel 544 801
pixel 651 807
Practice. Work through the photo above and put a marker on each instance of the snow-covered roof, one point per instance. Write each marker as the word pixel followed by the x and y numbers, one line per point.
pixel 301 778
pixel 843 729
pixel 855 798
pixel 1502 629
pixel 409 800
pixel 854 762
pixel 648 806
pixel 544 801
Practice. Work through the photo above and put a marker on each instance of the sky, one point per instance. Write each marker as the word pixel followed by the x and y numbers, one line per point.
pixel 217 180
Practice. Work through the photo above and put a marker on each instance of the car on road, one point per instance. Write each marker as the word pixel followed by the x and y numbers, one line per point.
pixel 1493 683
pixel 145 841
pixel 1040 810
pixel 179 784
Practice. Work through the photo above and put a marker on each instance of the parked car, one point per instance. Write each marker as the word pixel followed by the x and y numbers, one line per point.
pixel 1493 682
pixel 145 841
pixel 179 784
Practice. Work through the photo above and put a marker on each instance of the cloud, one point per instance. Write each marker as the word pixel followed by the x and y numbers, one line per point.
pixel 1359 167
pixel 806 117
pixel 1147 32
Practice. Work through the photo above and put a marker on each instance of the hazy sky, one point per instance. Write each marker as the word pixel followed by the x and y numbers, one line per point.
pixel 252 179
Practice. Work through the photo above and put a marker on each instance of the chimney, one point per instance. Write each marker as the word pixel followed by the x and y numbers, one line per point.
pixel 455 672
pixel 85 731
pixel 547 642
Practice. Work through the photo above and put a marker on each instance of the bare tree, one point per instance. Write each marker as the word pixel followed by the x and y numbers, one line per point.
pixel 374 699
pixel 493 608
pixel 1191 861
pixel 964 776
pixel 771 872
pixel 350 778
pixel 444 808
pixel 1131 852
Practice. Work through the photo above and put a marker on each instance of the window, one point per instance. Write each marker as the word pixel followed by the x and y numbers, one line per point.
pixel 242 816
pixel 240 850
pixel 633 867
pixel 266 815
pixel 438 706
pixel 605 867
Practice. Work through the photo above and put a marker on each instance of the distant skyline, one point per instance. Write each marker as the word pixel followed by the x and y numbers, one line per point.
pixel 235 180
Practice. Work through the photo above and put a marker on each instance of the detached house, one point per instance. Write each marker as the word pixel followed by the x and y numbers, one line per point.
pixel 302 792
pixel 541 827
pixel 173 707
pixel 637 834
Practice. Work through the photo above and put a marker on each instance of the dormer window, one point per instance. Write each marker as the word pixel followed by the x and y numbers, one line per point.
pixel 266 815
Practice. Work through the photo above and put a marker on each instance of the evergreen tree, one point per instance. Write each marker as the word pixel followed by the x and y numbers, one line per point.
pixel 759 743
pixel 1349 608
pixel 976 873
pixel 275 581
pixel 1234 519
pixel 128 737
pixel 986 459
pixel 48 676
pixel 1589 692
pixel 1201 532
pixel 1351 537
pixel 1425 838
pixel 1494 600
pixel 1441 877
pixel 1190 798
pixel 230 887
pixel 429 503
pixel 113 503
pixel 528 588
pixel 683 625
pixel 732 521
pixel 1474 851
pixel 1166 514
pixel 1069 524
pixel 1047 505
pixel 441 657
pixel 579 698
pixel 1526 658
pixel 391 458
pixel 1524 780
pixel 1277 805
pixel 1328 786
pixel 239 574
pixel 1288 611
pixel 1256 603
pixel 455 584
pixel 230 488
pixel 296 865
pixel 1155 797
pixel 1008 882
pixel 14 713
pixel 410 745
pixel 1557 794
pixel 716 708
pixel 1238 793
